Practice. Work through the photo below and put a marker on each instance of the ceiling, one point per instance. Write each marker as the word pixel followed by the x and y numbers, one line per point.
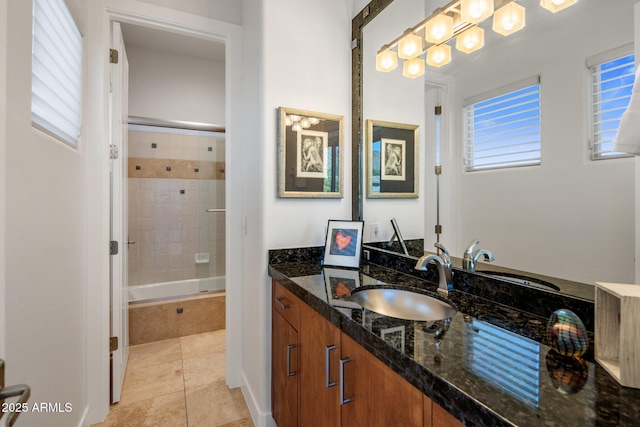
pixel 169 42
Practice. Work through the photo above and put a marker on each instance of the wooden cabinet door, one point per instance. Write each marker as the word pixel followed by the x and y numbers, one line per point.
pixel 442 418
pixel 319 382
pixel 284 372
pixel 378 396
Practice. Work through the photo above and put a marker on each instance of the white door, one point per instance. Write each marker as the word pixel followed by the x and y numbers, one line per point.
pixel 119 299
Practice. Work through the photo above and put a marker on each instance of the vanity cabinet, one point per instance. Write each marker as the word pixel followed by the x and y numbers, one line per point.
pixel 326 367
pixel 285 357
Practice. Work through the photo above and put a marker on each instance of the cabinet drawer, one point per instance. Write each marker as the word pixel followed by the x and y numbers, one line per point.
pixel 287 304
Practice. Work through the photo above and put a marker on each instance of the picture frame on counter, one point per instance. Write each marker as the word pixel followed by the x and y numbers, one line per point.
pixel 392 160
pixel 343 243
pixel 340 283
pixel 310 154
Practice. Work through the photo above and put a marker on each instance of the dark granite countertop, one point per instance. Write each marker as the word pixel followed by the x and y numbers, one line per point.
pixel 491 367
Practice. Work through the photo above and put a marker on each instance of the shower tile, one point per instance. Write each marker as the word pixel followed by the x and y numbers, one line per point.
pixel 202 370
pixel 167 410
pixel 215 405
pixel 203 343
pixel 152 381
pixel 160 184
pixel 145 184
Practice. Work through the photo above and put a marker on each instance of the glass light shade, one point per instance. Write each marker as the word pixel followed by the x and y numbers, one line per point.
pixel 314 120
pixel 413 68
pixel 439 29
pixel 305 123
pixel 386 60
pixel 296 127
pixel 470 40
pixel 557 5
pixel 439 55
pixel 475 11
pixel 288 121
pixel 410 46
pixel 295 118
pixel 509 19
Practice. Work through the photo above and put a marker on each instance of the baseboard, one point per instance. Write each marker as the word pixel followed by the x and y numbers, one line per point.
pixel 259 418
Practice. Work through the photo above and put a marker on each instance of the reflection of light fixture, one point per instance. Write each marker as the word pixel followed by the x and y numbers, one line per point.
pixel 298 122
pixel 557 5
pixel 413 68
pixel 475 11
pixel 470 40
pixel 439 55
pixel 305 123
pixel 296 127
pixel 457 19
pixel 509 19
pixel 438 29
pixel 314 120
pixel 409 46
pixel 386 60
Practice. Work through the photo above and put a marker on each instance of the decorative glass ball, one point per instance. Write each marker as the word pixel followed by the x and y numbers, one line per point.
pixel 566 333
pixel 568 374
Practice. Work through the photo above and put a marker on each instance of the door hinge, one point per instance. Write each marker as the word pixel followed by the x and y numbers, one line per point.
pixel 438 110
pixel 438 170
pixel 113 151
pixel 113 247
pixel 113 56
pixel 438 229
pixel 113 344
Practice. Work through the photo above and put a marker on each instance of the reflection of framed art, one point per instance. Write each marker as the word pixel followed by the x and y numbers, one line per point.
pixel 340 284
pixel 394 337
pixel 310 160
pixel 343 243
pixel 392 160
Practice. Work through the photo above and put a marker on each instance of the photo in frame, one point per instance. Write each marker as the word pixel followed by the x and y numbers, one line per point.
pixel 394 337
pixel 343 245
pixel 310 154
pixel 339 284
pixel 392 160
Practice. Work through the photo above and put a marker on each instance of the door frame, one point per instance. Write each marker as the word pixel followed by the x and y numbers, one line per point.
pixel 164 19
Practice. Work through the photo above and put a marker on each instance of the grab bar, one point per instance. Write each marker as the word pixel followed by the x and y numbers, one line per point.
pixel 216 210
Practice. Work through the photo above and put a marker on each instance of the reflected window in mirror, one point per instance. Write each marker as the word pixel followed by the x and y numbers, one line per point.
pixel 502 127
pixel 612 78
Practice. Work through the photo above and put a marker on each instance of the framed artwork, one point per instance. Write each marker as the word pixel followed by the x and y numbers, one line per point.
pixel 340 284
pixel 343 244
pixel 310 158
pixel 392 160
pixel 394 337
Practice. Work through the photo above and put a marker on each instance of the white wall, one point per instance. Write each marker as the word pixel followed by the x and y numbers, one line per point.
pixel 570 217
pixel 171 86
pixel 3 181
pixel 223 10
pixel 45 244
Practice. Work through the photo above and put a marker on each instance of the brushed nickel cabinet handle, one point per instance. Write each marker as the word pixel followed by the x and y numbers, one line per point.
pixel 327 364
pixel 343 400
pixel 289 348
pixel 282 304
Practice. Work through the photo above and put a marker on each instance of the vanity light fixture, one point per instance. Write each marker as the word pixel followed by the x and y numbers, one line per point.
pixel 457 19
pixel 557 5
pixel 438 29
pixel 413 68
pixel 439 55
pixel 509 19
pixel 409 46
pixel 476 11
pixel 386 60
pixel 470 40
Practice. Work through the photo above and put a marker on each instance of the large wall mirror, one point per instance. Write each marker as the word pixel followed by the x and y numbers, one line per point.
pixel 569 217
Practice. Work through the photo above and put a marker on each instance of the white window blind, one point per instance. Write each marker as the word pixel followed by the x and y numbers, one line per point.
pixel 502 127
pixel 56 71
pixel 612 77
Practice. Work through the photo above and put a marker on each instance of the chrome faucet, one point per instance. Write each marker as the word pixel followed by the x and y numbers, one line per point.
pixel 470 257
pixel 443 264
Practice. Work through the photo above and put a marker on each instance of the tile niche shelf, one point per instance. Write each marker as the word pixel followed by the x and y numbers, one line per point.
pixel 617 331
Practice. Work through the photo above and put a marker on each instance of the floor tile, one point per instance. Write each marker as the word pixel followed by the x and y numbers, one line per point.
pixel 152 381
pixel 154 352
pixel 205 369
pixel 200 344
pixel 163 411
pixel 216 405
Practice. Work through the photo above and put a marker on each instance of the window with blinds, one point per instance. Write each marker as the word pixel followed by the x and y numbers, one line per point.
pixel 612 77
pixel 502 127
pixel 56 71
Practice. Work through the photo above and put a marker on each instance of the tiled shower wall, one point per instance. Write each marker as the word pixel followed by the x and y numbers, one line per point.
pixel 173 179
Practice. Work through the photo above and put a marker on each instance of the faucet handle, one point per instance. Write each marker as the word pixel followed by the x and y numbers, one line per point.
pixel 471 247
pixel 445 253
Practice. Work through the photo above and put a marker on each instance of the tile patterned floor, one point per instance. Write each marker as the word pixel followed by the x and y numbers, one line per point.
pixel 179 382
